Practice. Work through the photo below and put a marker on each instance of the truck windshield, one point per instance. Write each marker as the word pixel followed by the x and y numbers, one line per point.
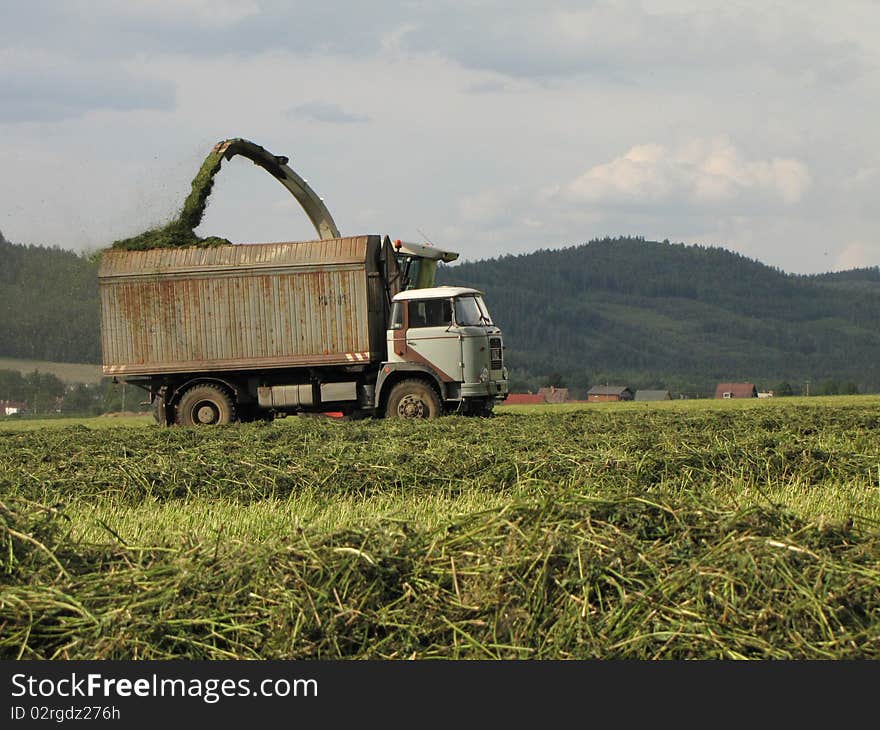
pixel 471 311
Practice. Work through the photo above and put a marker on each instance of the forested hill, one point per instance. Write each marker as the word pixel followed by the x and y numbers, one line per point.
pixel 621 311
pixel 48 304
pixel 646 314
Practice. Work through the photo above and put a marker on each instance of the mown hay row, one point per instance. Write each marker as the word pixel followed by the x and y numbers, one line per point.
pixel 572 577
pixel 809 450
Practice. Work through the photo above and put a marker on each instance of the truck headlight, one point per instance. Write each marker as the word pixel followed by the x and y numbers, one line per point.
pixel 484 375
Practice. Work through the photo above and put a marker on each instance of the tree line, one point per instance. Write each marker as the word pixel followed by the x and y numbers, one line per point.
pixel 626 311
pixel 45 394
pixel 649 314
pixel 48 304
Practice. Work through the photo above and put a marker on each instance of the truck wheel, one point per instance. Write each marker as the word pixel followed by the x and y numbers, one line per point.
pixel 413 399
pixel 159 410
pixel 205 405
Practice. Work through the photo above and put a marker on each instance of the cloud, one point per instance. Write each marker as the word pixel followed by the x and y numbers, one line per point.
pixel 489 86
pixel 488 101
pixel 626 39
pixel 529 39
pixel 701 172
pixel 857 255
pixel 329 113
pixel 212 13
pixel 40 87
pixel 488 207
pixel 203 28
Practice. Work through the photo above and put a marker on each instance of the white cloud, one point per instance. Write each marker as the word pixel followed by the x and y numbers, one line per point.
pixel 217 13
pixel 699 172
pixel 487 206
pixel 629 39
pixel 317 111
pixel 857 255
pixel 42 86
pixel 473 109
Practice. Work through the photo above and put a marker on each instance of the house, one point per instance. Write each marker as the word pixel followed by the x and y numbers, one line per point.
pixel 523 399
pixel 553 394
pixel 603 393
pixel 653 395
pixel 12 407
pixel 736 390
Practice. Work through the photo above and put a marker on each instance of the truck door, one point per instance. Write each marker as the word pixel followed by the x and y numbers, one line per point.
pixel 431 338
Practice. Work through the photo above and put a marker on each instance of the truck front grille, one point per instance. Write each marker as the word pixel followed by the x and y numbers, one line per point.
pixel 496 361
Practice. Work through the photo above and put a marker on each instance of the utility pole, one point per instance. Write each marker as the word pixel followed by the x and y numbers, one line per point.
pixel 808 388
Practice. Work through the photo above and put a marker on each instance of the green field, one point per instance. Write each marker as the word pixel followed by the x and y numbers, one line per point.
pixel 685 529
pixel 10 424
pixel 69 372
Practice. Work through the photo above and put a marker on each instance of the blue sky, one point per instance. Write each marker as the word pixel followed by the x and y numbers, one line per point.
pixel 485 127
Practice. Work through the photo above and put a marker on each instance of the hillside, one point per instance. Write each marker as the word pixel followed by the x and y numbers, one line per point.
pixel 48 305
pixel 650 314
pixel 626 310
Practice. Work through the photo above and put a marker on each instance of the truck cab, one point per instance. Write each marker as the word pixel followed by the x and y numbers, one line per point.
pixel 444 353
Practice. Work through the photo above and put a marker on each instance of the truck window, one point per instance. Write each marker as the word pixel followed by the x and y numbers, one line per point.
pixel 470 311
pixel 397 316
pixel 430 313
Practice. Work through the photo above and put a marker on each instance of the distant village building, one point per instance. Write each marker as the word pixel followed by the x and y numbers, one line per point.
pixel 12 407
pixel 553 394
pixel 736 390
pixel 524 399
pixel 765 393
pixel 604 393
pixel 653 395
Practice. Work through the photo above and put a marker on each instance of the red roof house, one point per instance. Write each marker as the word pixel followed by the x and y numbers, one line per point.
pixel 552 394
pixel 736 390
pixel 524 399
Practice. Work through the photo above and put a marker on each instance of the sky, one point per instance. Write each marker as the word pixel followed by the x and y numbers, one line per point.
pixel 481 126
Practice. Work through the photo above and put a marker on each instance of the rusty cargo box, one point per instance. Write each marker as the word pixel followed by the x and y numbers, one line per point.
pixel 243 306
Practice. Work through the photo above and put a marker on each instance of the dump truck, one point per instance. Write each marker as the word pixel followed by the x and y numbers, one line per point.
pixel 238 332
pixel 249 331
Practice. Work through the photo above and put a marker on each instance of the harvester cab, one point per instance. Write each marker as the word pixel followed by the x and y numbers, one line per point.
pixel 418 263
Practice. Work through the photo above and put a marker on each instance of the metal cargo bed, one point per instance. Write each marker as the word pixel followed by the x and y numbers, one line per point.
pixel 243 307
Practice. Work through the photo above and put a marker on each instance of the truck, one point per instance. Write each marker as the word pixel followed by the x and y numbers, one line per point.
pixel 351 325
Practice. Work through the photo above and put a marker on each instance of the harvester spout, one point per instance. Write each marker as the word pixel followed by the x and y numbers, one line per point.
pixel 277 166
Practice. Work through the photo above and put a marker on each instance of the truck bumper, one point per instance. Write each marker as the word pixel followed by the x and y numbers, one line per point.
pixel 491 388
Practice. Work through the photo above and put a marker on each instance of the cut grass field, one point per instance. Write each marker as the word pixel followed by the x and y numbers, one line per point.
pixel 688 529
pixel 17 423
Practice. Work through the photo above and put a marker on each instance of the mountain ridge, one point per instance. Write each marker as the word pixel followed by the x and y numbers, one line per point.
pixel 646 314
pixel 671 315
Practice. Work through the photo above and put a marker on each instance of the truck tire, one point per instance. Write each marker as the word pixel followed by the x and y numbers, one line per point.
pixel 205 405
pixel 159 410
pixel 413 399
